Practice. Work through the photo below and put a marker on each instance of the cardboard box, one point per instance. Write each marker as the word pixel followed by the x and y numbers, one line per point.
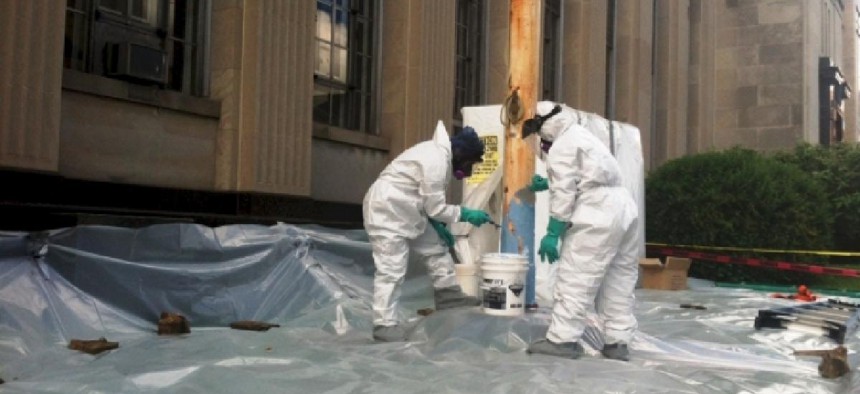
pixel 672 275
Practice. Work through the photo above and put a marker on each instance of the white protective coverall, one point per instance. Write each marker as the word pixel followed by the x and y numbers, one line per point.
pixel 408 191
pixel 598 262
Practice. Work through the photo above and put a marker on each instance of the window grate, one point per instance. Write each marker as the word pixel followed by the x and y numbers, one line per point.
pixel 95 28
pixel 551 50
pixel 468 86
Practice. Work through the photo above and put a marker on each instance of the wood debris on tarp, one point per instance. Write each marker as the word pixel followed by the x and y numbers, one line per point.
pixel 94 346
pixel 172 324
pixel 834 362
pixel 252 325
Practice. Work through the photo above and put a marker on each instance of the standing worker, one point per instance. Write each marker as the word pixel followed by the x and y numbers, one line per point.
pixel 409 194
pixel 595 218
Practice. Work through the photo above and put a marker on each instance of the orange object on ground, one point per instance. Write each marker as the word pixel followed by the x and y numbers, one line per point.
pixel 803 294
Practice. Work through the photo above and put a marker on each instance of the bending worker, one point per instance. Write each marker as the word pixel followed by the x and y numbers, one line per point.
pixel 595 218
pixel 405 209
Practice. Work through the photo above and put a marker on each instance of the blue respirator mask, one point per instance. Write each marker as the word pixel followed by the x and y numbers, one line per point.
pixel 467 149
pixel 463 168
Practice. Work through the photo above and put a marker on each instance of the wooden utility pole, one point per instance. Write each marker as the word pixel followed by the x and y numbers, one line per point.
pixel 519 166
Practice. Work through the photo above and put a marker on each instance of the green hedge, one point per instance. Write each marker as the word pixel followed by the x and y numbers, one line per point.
pixel 738 198
pixel 838 169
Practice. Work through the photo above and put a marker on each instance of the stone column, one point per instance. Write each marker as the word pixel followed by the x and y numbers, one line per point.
pixel 31 67
pixel 418 70
pixel 703 37
pixel 262 70
pixel 584 54
pixel 498 38
pixel 633 65
pixel 850 51
pixel 672 75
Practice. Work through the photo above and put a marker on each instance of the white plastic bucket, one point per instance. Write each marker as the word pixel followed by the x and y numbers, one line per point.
pixel 469 278
pixel 503 283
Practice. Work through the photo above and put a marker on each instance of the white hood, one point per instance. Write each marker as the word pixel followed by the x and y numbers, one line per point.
pixel 441 138
pixel 555 125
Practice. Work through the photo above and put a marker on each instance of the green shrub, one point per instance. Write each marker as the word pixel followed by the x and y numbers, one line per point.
pixel 838 169
pixel 737 198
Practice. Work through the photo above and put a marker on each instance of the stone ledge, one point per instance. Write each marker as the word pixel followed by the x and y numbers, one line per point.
pixel 150 95
pixel 350 137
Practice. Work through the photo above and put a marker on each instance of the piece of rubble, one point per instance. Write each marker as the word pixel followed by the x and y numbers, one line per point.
pixel 252 325
pixel 834 362
pixel 425 311
pixel 173 324
pixel 95 346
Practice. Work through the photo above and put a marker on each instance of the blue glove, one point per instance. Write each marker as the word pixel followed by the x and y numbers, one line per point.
pixel 476 217
pixel 538 184
pixel 443 232
pixel 549 244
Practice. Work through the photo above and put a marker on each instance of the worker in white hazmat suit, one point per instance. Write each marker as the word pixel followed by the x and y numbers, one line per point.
pixel 595 219
pixel 405 210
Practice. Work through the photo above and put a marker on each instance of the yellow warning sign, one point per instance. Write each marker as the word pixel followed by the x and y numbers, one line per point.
pixel 482 171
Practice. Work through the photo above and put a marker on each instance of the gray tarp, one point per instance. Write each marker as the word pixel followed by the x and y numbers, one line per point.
pixel 91 282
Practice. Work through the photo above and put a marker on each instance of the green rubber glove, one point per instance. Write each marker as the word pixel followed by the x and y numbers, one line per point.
pixel 549 244
pixel 538 184
pixel 476 217
pixel 443 232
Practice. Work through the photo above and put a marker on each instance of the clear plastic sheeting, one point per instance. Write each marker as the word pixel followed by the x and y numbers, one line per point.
pixel 626 145
pixel 483 190
pixel 91 282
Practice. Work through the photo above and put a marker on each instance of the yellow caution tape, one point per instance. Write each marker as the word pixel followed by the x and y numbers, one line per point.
pixel 756 250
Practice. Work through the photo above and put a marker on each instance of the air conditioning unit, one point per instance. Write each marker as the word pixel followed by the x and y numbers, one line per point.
pixel 136 61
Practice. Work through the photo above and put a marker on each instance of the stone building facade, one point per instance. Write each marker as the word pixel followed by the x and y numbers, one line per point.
pixel 287 110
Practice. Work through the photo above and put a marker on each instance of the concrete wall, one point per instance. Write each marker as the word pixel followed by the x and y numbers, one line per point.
pixel 758 99
pixel 751 68
pixel 342 172
pixel 105 139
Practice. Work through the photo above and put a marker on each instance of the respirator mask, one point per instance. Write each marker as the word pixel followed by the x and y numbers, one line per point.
pixel 533 126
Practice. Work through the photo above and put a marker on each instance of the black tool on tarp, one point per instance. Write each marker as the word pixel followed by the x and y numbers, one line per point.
pixel 834 319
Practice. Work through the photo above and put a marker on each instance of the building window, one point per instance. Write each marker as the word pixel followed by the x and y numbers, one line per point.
pixel 468 87
pixel 833 91
pixel 157 42
pixel 551 50
pixel 344 70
